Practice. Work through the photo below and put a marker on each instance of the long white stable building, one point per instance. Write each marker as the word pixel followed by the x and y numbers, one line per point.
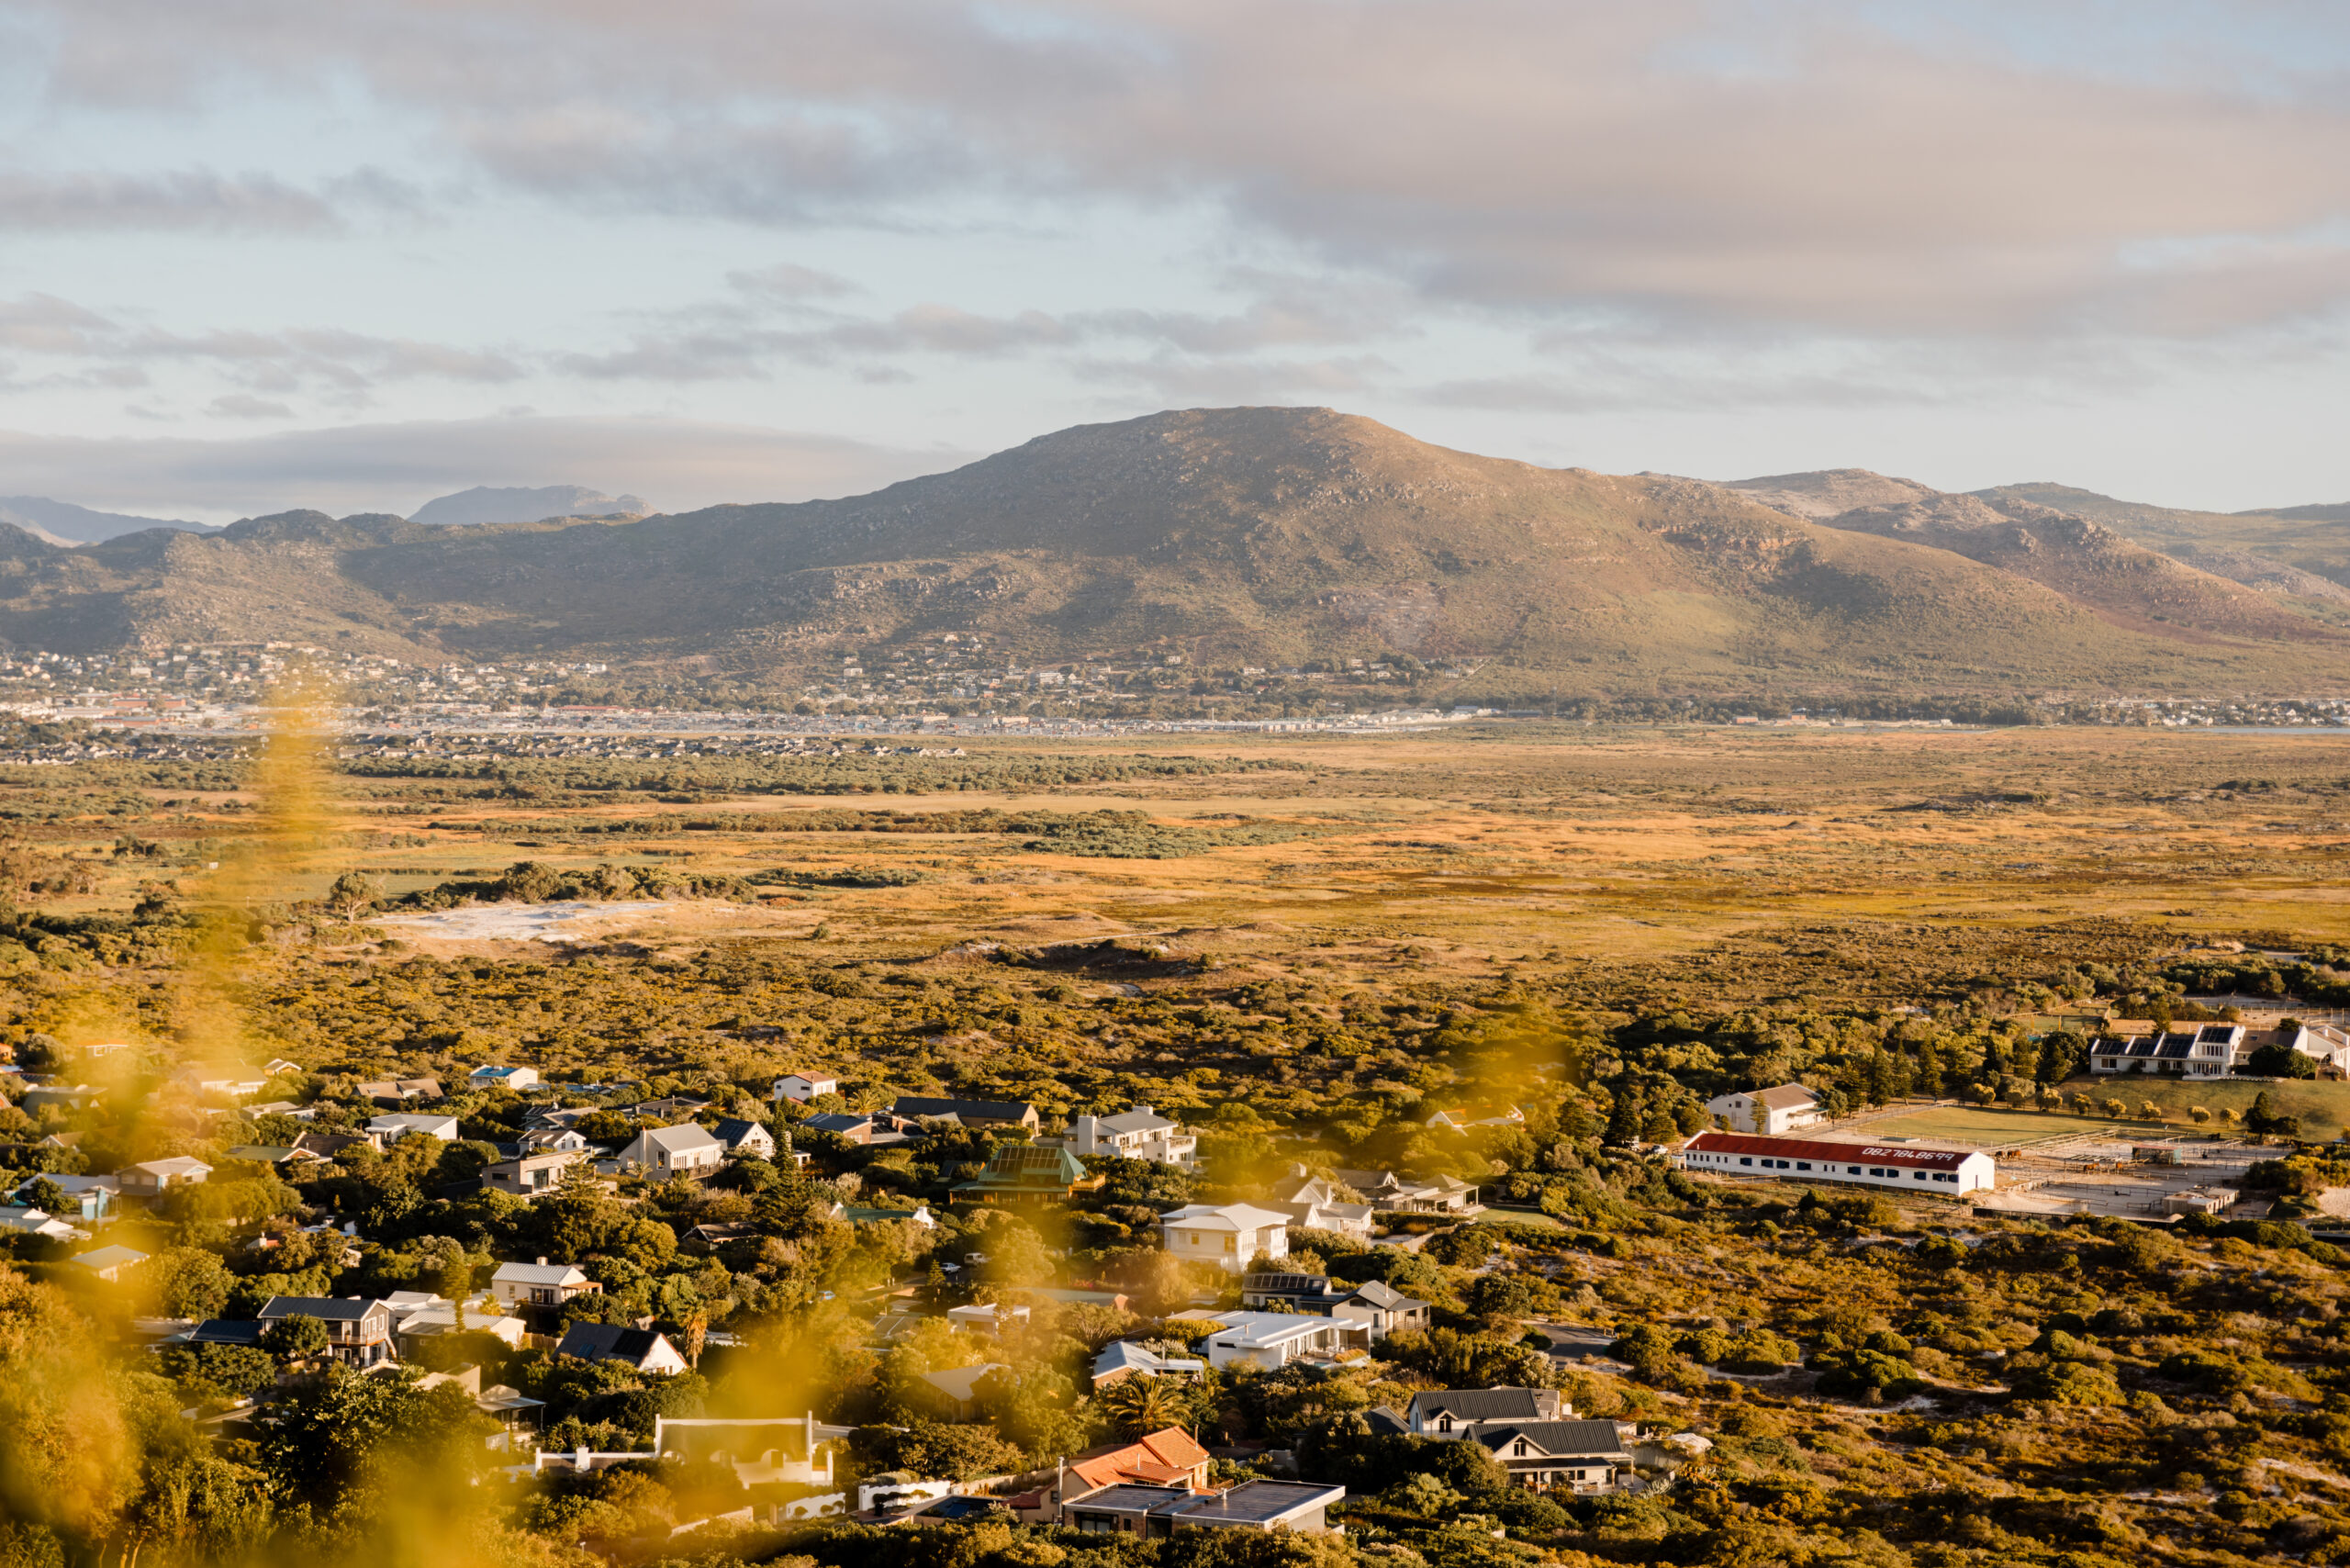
pixel 1930 1172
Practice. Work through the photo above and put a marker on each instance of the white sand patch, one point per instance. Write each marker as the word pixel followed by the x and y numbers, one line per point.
pixel 568 922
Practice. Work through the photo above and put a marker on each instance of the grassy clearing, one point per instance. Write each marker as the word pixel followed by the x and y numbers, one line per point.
pixel 2324 1108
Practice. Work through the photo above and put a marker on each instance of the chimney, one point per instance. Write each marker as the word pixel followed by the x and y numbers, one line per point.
pixel 542 1263
pixel 1145 1111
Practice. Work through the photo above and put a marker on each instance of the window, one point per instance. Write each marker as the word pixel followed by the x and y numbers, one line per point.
pixel 1851 1171
pixel 1742 1160
pixel 1802 1164
pixel 1917 1175
pixel 1517 1449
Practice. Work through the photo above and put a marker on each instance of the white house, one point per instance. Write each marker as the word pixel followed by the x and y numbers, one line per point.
pixel 989 1320
pixel 540 1285
pixel 531 1175
pixel 745 1138
pixel 2209 1050
pixel 1228 1236
pixel 393 1127
pixel 109 1263
pixel 1268 1339
pixel 151 1178
pixel 490 1076
pixel 803 1087
pixel 29 1221
pixel 1139 1134
pixel 1462 1119
pixel 1912 1168
pixel 643 1348
pixel 1769 1112
pixel 686 1150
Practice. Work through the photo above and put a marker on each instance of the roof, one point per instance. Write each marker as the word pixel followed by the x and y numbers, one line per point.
pixel 226 1331
pixel 969 1110
pixel 1166 1455
pixel 1124 1355
pixel 110 1257
pixel 1906 1155
pixel 734 1130
pixel 1478 1403
pixel 1255 1503
pixel 1029 1165
pixel 1559 1438
pixel 1227 1216
pixel 540 1273
pixel 677 1139
pixel 1386 1421
pixel 843 1122
pixel 607 1342
pixel 1141 1119
pixel 325 1308
pixel 1250 1328
pixel 1786 1097
pixel 1378 1293
pixel 178 1165
pixel 957 1382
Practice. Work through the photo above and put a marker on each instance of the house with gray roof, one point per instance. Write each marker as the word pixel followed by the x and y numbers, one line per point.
pixel 661 1152
pixel 1587 1456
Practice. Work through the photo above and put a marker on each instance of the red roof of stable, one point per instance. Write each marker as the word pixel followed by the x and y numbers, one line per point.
pixel 1815 1149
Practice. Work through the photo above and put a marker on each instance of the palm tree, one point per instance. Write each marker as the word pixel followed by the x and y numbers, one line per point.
pixel 1138 1403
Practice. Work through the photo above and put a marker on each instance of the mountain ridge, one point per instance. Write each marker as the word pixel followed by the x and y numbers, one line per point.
pixel 1254 537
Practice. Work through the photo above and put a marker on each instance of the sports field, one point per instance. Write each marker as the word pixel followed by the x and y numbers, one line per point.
pixel 1998 1129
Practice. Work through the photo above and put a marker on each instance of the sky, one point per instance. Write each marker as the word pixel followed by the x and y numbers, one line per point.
pixel 257 254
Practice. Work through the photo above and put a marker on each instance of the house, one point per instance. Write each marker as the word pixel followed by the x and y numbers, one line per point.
pixel 551 1140
pixel 859 1128
pixel 2326 1042
pixel 25 1220
pixel 1166 1458
pixel 801 1087
pixel 677 1107
pixel 494 1077
pixel 328 1145
pixel 1123 1358
pixel 278 1067
pixel 89 1196
pixel 1587 1456
pixel 643 1348
pixel 275 1154
pixel 398 1092
pixel 745 1139
pixel 110 1263
pixel 2207 1050
pixel 392 1129
pixel 152 1178
pixel 1314 1202
pixel 227 1085
pixel 73 1096
pixel 1382 1310
pixel 1913 1168
pixel 795 1450
pixel 1027 1173
pixel 956 1388
pixel 358 1331
pixel 969 1112
pixel 437 1317
pixel 1462 1119
pixel 540 1285
pixel 1770 1111
pixel 1388 1191
pixel 1139 1134
pixel 531 1175
pixel 1270 1339
pixel 1153 1512
pixel 1230 1236
pixel 686 1150
pixel 918 1217
pixel 1463 1412
pixel 989 1320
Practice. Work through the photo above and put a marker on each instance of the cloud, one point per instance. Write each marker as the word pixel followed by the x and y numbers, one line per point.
pixel 244 406
pixel 1809 163
pixel 396 468
pixel 178 200
pixel 788 281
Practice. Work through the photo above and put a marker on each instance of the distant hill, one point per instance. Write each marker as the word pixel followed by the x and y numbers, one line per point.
pixel 63 522
pixel 1260 537
pixel 2246 546
pixel 486 504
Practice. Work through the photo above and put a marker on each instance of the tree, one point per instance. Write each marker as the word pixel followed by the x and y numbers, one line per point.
pixel 354 893
pixel 1137 1404
pixel 44 1194
pixel 300 1338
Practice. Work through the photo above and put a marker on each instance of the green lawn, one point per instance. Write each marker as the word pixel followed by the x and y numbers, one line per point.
pixel 1990 1129
pixel 1532 1217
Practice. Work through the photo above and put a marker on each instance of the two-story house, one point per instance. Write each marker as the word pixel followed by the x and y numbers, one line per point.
pixel 1771 1112
pixel 540 1285
pixel 1139 1134
pixel 1230 1236
pixel 358 1331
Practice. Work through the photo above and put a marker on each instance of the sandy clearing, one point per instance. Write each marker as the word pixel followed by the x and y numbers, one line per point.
pixel 567 922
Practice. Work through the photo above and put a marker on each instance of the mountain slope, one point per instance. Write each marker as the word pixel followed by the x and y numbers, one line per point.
pixel 485 504
pixel 63 522
pixel 1242 536
pixel 2312 540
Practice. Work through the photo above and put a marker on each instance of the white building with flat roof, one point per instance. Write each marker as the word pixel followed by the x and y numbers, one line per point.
pixel 1912 1168
pixel 1228 1236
